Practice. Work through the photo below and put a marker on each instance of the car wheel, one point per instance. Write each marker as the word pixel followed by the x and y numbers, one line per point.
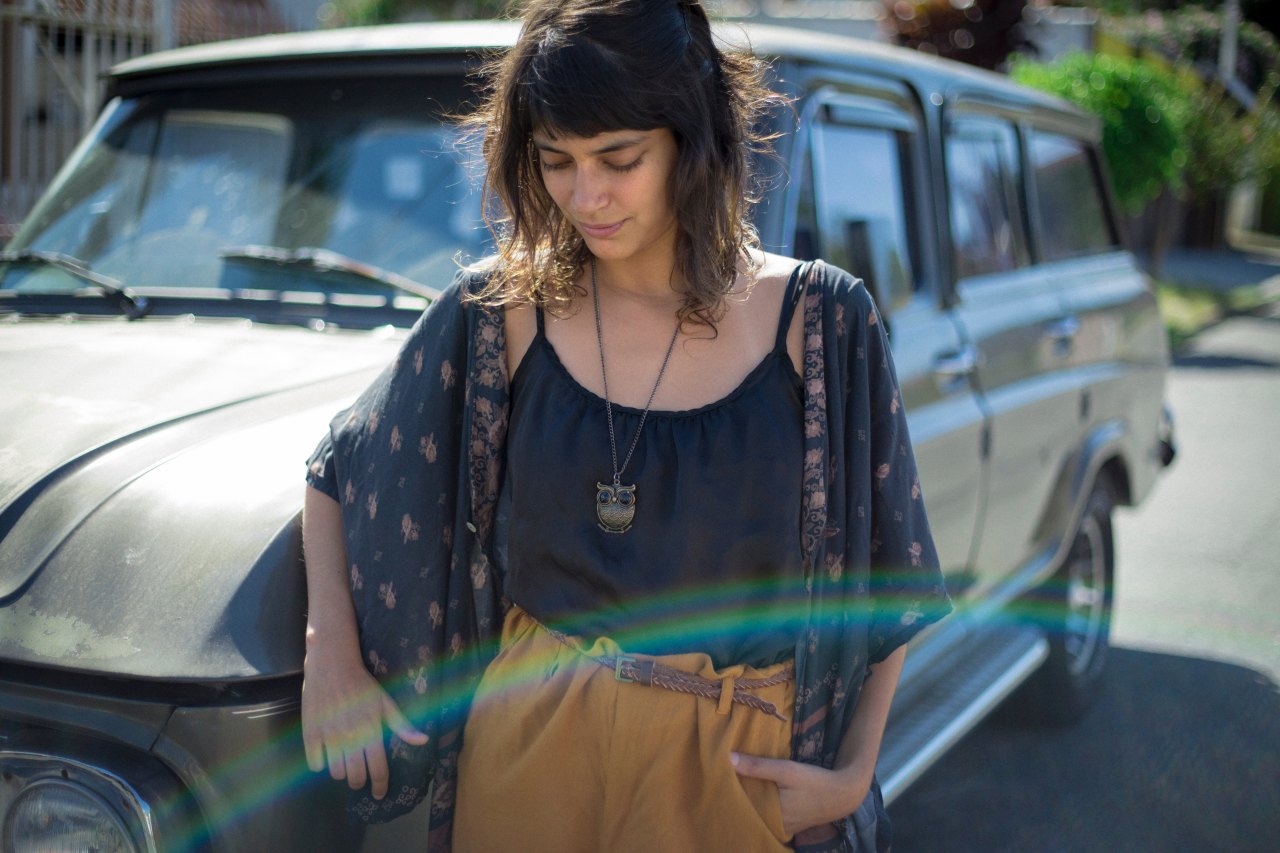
pixel 1077 619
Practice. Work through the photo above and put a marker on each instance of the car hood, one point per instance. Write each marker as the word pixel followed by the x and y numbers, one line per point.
pixel 150 488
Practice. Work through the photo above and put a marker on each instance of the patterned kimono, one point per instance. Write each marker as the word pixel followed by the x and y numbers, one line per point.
pixel 417 463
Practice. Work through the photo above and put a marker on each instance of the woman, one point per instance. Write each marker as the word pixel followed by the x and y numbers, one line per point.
pixel 705 656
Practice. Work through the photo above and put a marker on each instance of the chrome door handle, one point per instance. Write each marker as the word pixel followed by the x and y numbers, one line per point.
pixel 1061 335
pixel 957 364
pixel 1062 330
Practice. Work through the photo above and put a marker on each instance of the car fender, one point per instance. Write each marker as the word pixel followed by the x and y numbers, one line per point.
pixel 1103 453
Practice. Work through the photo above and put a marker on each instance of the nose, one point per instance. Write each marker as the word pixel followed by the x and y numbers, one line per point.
pixel 589 191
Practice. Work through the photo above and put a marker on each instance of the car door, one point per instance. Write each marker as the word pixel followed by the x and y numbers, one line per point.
pixel 1012 313
pixel 1113 339
pixel 863 205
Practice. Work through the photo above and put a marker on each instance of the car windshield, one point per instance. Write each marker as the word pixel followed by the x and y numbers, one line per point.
pixel 184 188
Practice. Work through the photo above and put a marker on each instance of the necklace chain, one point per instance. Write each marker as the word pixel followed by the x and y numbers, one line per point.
pixel 604 376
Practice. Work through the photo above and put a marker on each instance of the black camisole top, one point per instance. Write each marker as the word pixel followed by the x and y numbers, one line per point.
pixel 712 561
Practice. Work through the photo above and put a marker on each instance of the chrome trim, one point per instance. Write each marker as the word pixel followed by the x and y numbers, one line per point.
pixel 963 722
pixel 1086 599
pixel 271 709
pixel 98 780
pixel 801 140
pixel 110 812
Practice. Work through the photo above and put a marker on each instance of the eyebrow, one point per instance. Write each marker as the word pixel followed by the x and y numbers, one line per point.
pixel 606 149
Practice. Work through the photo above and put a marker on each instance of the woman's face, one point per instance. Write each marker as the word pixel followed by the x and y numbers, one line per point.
pixel 615 189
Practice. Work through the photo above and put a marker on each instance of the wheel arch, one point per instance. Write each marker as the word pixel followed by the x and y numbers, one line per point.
pixel 1101 456
pixel 1116 474
pixel 1095 479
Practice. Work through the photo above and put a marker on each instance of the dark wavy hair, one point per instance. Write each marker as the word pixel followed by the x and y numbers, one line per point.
pixel 584 67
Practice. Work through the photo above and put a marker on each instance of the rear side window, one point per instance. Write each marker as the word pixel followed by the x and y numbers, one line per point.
pixel 986 216
pixel 1072 216
pixel 855 208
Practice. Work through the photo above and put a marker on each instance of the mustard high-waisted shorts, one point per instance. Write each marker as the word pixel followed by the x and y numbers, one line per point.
pixel 559 754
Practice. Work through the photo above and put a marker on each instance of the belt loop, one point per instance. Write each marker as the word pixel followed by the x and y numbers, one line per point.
pixel 726 695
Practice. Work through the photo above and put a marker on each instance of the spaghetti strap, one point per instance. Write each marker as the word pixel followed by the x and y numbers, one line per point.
pixel 795 287
pixel 537 310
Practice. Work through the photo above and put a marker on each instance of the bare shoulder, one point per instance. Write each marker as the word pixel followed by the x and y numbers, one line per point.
pixel 521 325
pixel 765 281
pixel 772 273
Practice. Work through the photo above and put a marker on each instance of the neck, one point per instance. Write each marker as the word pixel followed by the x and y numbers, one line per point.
pixel 653 283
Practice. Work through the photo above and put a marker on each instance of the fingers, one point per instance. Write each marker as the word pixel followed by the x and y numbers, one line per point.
pixel 375 757
pixel 397 722
pixel 313 746
pixel 337 763
pixel 343 729
pixel 758 767
pixel 356 776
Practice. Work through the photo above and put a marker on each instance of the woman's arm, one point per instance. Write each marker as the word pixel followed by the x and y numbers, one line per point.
pixel 860 748
pixel 343 706
pixel 811 795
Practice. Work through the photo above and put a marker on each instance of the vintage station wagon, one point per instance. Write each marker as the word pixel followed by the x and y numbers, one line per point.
pixel 235 251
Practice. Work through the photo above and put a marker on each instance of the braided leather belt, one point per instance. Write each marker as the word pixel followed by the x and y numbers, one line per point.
pixel 653 674
pixel 650 673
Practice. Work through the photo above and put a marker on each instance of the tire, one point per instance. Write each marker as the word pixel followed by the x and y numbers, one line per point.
pixel 1077 619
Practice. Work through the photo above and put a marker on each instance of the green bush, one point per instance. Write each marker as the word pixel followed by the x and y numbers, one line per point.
pixel 1227 145
pixel 1269 216
pixel 365 12
pixel 1143 113
pixel 1191 34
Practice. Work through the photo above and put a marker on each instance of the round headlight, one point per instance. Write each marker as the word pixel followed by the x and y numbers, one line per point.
pixel 53 816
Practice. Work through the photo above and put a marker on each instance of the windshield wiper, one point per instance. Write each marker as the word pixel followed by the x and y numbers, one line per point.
pixel 326 261
pixel 133 307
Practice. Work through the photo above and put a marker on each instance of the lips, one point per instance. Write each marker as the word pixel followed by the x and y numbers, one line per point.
pixel 599 231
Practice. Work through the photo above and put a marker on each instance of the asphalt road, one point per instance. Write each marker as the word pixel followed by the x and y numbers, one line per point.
pixel 1182 750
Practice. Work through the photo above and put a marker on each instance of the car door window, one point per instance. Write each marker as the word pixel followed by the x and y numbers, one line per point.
pixel 1070 212
pixel 855 208
pixel 982 177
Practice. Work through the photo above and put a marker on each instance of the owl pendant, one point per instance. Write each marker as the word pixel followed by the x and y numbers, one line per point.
pixel 615 506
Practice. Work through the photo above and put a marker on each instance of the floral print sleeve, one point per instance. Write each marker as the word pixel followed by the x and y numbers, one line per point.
pixel 906 587
pixel 871 571
pixel 320 469
pixel 415 464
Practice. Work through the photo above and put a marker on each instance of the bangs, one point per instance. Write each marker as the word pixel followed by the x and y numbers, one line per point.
pixel 582 68
pixel 574 88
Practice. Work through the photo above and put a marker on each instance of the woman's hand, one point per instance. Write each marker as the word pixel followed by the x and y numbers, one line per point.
pixel 810 795
pixel 343 707
pixel 343 711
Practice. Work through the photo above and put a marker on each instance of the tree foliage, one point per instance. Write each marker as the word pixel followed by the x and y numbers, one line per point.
pixel 1265 13
pixel 1193 33
pixel 1143 117
pixel 365 12
pixel 1158 132
pixel 1226 144
pixel 979 32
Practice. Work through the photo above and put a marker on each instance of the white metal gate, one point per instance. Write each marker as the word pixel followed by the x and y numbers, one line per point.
pixel 52 54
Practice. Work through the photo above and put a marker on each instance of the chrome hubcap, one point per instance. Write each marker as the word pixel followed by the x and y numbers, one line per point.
pixel 1086 595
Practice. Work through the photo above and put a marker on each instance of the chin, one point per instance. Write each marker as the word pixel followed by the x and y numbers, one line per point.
pixel 610 249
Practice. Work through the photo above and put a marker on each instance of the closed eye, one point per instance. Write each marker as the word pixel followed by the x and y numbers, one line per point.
pixel 625 167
